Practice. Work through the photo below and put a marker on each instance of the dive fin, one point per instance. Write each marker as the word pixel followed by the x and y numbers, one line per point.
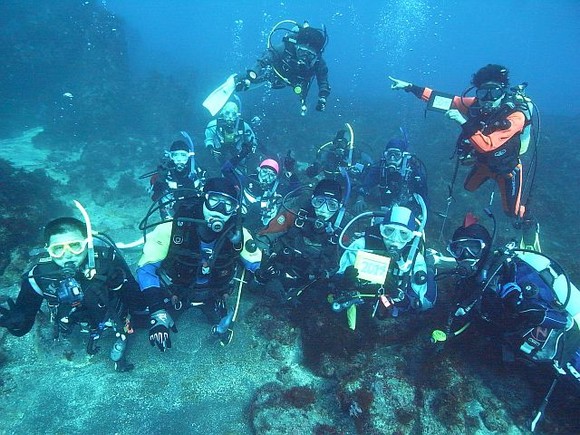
pixel 351 317
pixel 218 98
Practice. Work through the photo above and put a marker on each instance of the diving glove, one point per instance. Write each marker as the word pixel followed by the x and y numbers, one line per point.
pixel 350 277
pixel 511 293
pixel 243 83
pixel 161 322
pixel 321 105
pixel 9 317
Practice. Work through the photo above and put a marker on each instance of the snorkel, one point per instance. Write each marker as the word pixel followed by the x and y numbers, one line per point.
pixel 90 243
pixel 191 152
pixel 419 233
pixel 342 210
pixel 350 144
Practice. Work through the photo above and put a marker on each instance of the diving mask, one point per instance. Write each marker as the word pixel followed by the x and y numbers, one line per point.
pixel 230 117
pixel 393 158
pixel 305 54
pixel 266 176
pixel 75 247
pixel 331 203
pixel 396 234
pixel 216 218
pixel 461 249
pixel 221 203
pixel 179 158
pixel 489 92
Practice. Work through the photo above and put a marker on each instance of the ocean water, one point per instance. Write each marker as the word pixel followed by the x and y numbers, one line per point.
pixel 435 43
pixel 94 91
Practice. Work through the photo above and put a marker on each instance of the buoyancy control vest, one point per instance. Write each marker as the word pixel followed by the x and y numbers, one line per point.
pixel 313 242
pixel 230 135
pixel 74 298
pixel 503 159
pixel 546 295
pixel 199 257
pixel 410 287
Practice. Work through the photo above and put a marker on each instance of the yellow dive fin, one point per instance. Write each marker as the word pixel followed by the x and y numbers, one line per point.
pixel 351 317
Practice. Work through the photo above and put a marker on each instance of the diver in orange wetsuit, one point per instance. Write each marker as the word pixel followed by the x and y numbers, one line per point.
pixel 492 124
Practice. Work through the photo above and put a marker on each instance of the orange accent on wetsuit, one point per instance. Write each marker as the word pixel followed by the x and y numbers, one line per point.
pixel 487 147
pixel 274 226
pixel 481 142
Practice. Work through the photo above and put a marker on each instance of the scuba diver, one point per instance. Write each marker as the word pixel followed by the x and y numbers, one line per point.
pixel 385 265
pixel 394 180
pixel 523 295
pixel 495 133
pixel 332 156
pixel 289 169
pixel 294 62
pixel 193 260
pixel 307 250
pixel 225 135
pixel 336 154
pixel 176 175
pixel 85 285
pixel 261 192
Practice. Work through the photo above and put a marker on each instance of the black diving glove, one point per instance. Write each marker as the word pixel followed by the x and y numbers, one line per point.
pixel 247 148
pixel 511 294
pixel 161 323
pixel 242 84
pixel 9 317
pixel 348 280
pixel 313 170
pixel 267 272
pixel 321 105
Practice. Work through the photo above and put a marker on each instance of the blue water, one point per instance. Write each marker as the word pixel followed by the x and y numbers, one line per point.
pixel 435 43
pixel 439 43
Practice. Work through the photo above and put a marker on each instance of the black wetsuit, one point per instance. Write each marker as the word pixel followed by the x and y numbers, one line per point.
pixel 107 297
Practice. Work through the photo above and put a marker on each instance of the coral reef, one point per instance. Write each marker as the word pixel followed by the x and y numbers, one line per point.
pixel 26 199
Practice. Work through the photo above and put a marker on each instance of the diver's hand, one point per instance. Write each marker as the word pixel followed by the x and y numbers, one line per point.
pixel 511 293
pixel 265 274
pixel 455 115
pixel 398 84
pixel 9 318
pixel 247 148
pixel 214 151
pixel 321 105
pixel 360 206
pixel 161 322
pixel 242 84
pixel 350 277
pixel 313 170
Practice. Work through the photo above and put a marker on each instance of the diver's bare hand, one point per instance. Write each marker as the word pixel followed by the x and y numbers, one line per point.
pixel 398 84
pixel 455 115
